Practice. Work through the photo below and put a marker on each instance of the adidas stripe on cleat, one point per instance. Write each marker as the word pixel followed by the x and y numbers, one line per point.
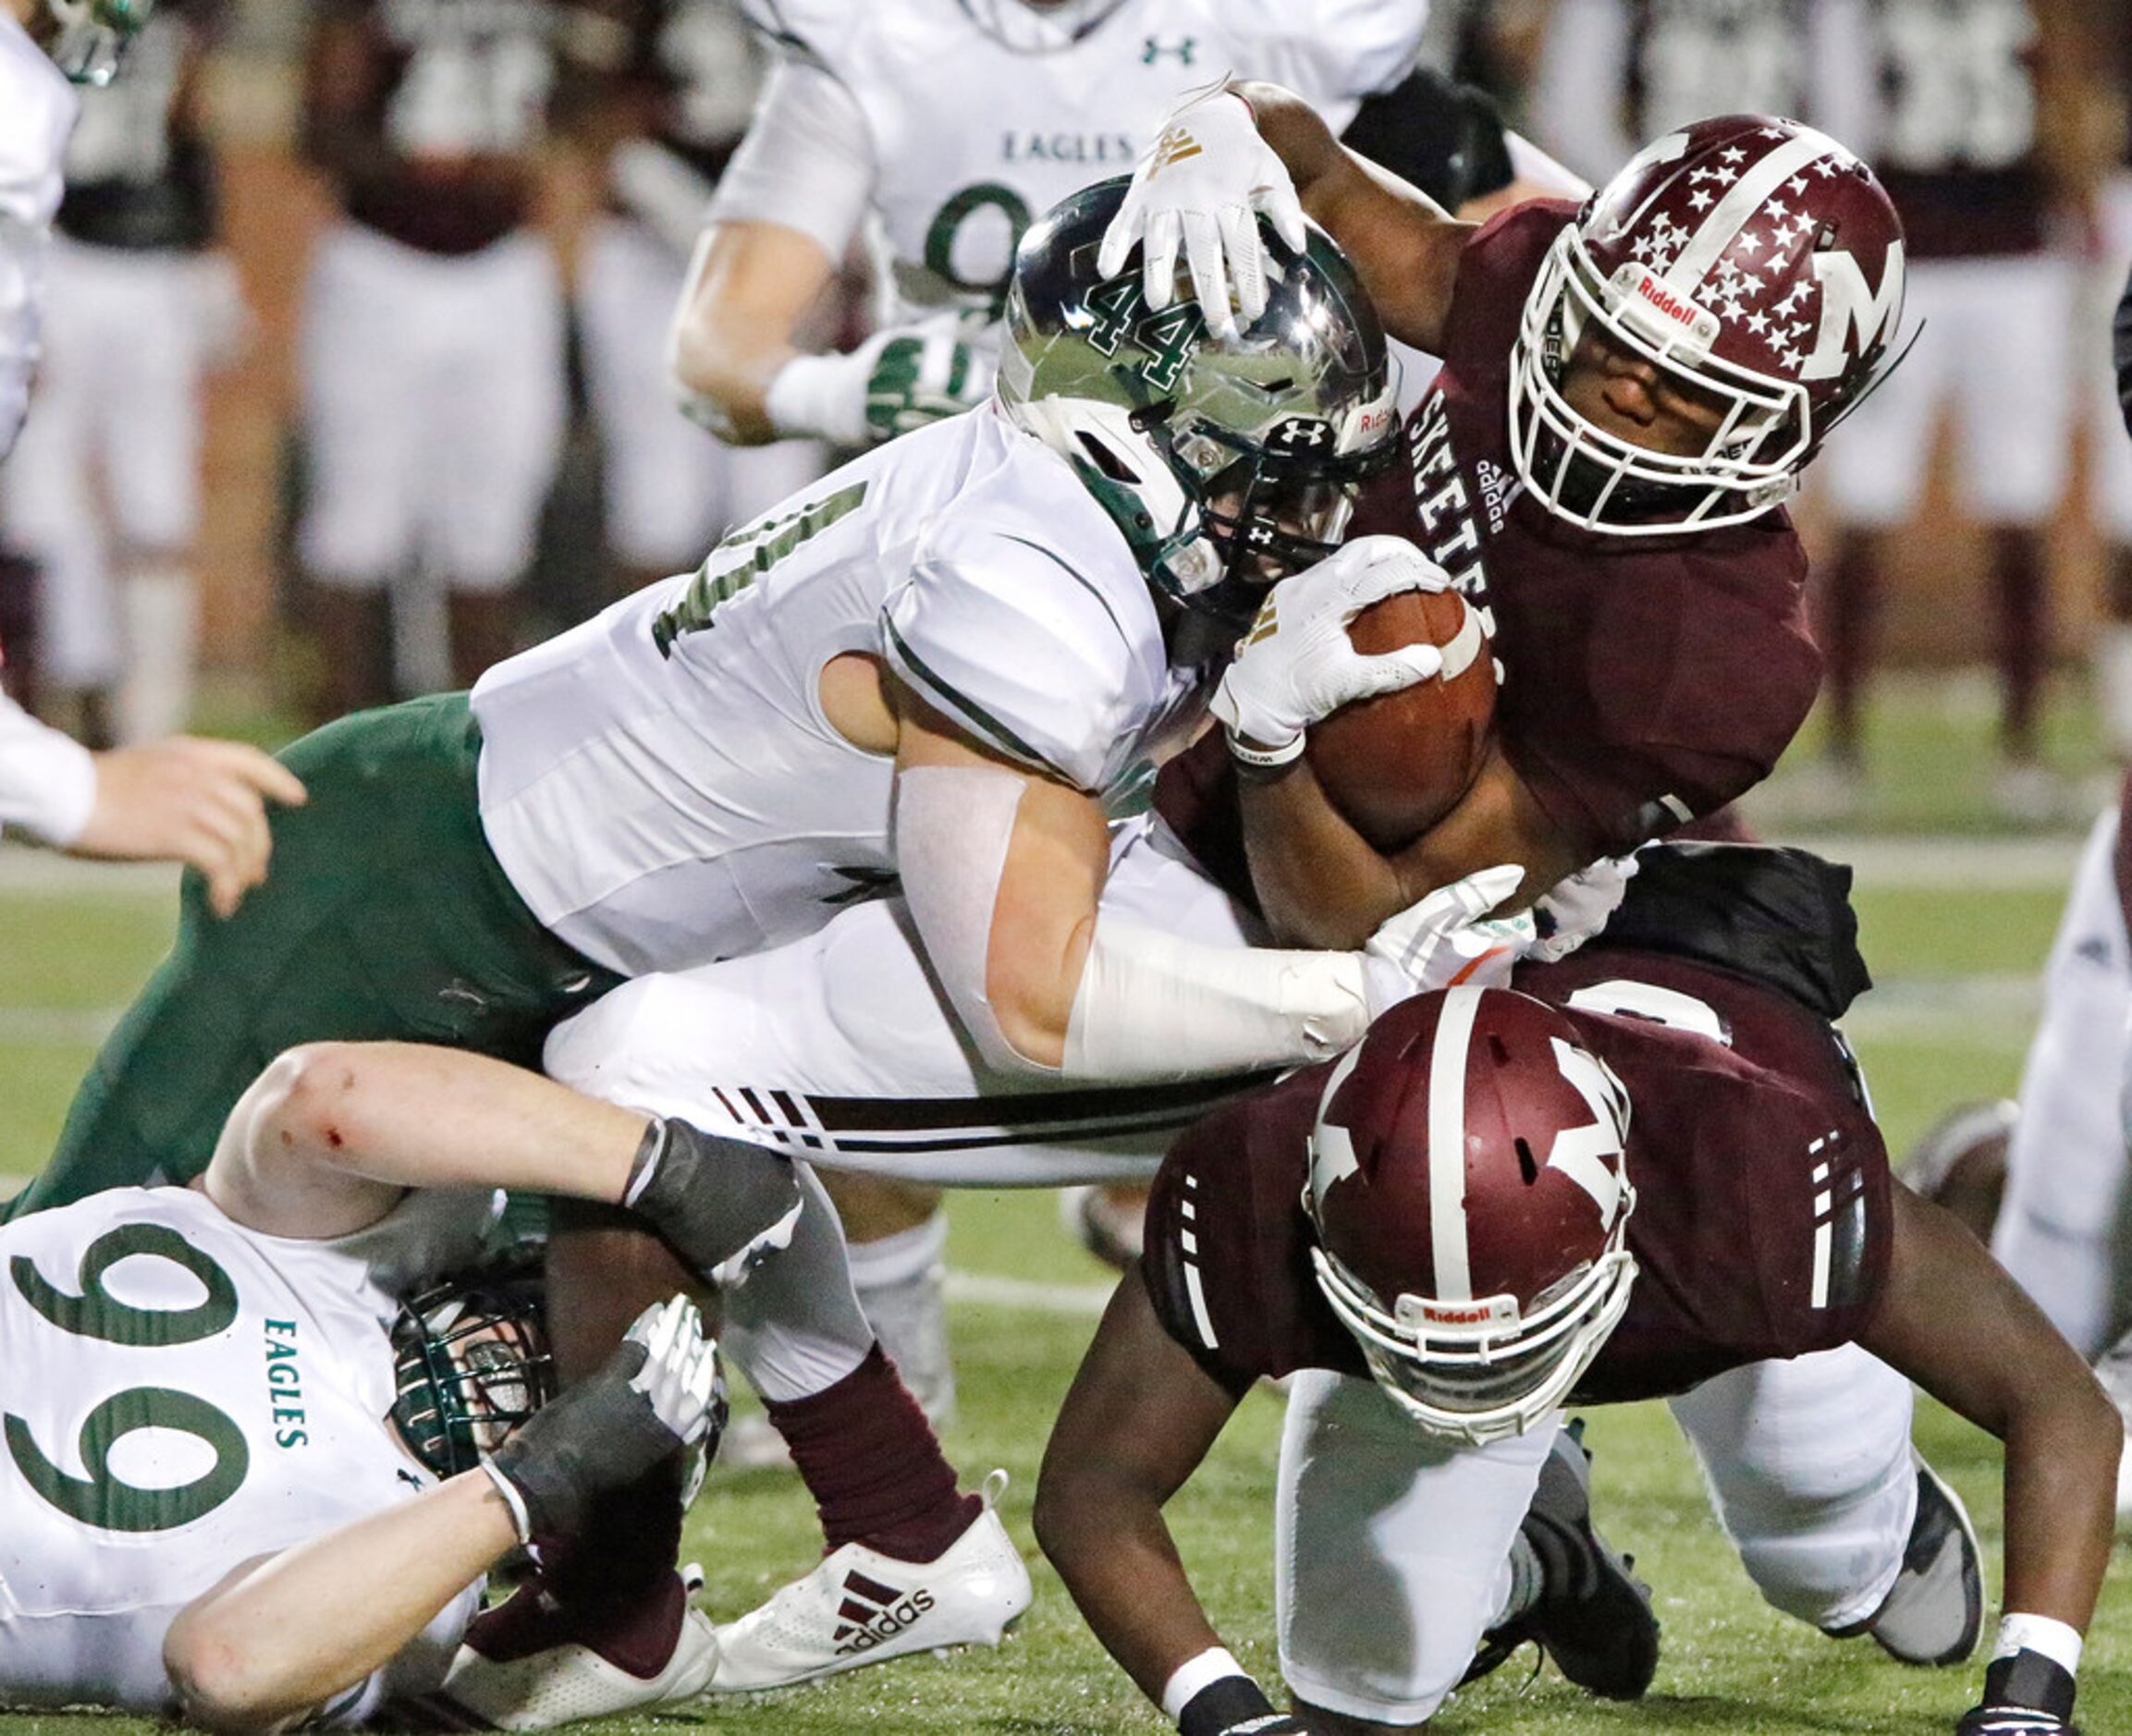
pixel 860 1607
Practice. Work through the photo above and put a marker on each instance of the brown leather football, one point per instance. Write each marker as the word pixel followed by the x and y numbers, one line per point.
pixel 1396 765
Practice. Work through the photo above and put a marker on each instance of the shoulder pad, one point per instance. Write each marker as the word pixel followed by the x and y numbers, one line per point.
pixel 1036 658
pixel 1780 917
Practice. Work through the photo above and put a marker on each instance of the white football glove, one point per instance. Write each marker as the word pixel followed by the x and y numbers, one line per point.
pixel 1574 909
pixel 1445 940
pixel 1202 184
pixel 1297 664
pixel 895 381
pixel 680 1379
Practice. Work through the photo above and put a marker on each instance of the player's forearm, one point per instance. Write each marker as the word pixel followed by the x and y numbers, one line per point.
pixel 1319 882
pixel 2061 1472
pixel 1120 1566
pixel 750 286
pixel 409 1115
pixel 1402 244
pixel 281 1636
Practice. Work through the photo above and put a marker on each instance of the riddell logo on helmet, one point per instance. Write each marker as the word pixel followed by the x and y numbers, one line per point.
pixel 1427 1310
pixel 873 1612
pixel 1662 298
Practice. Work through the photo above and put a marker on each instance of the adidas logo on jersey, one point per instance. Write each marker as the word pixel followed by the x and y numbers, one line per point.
pixel 872 1612
pixel 1498 489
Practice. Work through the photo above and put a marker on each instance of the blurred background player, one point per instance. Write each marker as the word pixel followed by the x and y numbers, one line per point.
pixel 677 81
pixel 1949 99
pixel 433 343
pixel 2109 454
pixel 201 802
pixel 103 488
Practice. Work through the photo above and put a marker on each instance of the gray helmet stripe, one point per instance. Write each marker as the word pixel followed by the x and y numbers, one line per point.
pixel 1448 1250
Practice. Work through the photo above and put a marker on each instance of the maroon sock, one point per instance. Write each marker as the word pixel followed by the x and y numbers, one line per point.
pixel 1850 612
pixel 874 1465
pixel 2024 607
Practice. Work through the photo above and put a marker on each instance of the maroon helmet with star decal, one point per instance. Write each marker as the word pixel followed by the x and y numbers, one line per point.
pixel 1469 1194
pixel 1757 265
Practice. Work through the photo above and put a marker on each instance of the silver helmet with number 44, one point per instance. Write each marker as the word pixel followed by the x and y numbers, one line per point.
pixel 1227 463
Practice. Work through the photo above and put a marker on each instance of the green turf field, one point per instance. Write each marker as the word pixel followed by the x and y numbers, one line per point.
pixel 1953 932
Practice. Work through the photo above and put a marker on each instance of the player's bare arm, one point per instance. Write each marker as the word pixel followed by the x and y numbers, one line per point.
pixel 750 286
pixel 330 1137
pixel 1139 1418
pixel 1955 1324
pixel 1404 245
pixel 1320 883
pixel 1052 846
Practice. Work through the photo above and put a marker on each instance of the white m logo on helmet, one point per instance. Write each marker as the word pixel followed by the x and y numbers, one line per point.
pixel 1848 307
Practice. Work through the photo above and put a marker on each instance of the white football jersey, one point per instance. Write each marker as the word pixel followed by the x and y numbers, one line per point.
pixel 971 138
pixel 178 1395
pixel 37 109
pixel 660 784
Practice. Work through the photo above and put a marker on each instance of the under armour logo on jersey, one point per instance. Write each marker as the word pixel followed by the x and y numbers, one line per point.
pixel 872 1612
pixel 1174 146
pixel 1184 48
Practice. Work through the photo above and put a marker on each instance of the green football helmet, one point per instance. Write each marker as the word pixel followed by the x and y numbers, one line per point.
pixel 470 1362
pixel 1226 463
pixel 87 39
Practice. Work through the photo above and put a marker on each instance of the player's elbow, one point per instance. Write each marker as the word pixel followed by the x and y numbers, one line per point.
pixel 221 1674
pixel 1031 1022
pixel 313 1102
pixel 716 373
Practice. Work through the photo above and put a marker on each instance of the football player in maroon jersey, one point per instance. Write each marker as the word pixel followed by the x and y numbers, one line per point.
pixel 1629 393
pixel 1468 1209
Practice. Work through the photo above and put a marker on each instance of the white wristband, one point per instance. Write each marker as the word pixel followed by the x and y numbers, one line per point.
pixel 1265 759
pixel 1193 1674
pixel 47 779
pixel 520 1520
pixel 824 396
pixel 2056 1639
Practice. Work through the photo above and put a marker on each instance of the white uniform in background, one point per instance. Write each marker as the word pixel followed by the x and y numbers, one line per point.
pixel 47 782
pixel 948 140
pixel 180 1396
pixel 660 784
pixel 671 489
pixel 105 488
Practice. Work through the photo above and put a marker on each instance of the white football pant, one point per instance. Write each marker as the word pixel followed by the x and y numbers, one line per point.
pixel 2062 1230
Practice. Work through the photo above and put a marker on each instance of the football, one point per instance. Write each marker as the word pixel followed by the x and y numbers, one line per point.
pixel 1395 764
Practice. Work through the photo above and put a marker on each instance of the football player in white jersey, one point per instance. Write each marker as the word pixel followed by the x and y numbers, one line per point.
pixel 220 1497
pixel 201 802
pixel 941 129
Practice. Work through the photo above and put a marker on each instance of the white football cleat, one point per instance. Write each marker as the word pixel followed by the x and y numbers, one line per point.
pixel 860 1607
pixel 571 1680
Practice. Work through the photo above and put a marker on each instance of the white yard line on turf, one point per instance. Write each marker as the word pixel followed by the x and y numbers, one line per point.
pixel 990 1291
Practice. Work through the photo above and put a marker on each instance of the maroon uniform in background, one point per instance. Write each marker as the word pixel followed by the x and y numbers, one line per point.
pixel 1647 681
pixel 424 113
pixel 1762 1226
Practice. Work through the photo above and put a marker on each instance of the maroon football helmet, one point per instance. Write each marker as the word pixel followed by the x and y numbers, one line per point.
pixel 1758 265
pixel 1467 1184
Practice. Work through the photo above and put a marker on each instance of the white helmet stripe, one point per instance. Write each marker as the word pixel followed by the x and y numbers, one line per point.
pixel 1742 200
pixel 1447 1144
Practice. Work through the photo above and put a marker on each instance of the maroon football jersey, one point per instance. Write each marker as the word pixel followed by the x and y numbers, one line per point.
pixel 1956 143
pixel 1647 680
pixel 428 115
pixel 1762 1217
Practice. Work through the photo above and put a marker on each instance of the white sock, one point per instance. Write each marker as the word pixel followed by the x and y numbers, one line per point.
pixel 162 614
pixel 902 1283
